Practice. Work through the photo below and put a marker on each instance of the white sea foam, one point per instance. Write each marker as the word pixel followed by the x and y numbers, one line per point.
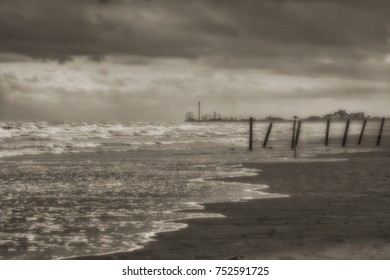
pixel 81 136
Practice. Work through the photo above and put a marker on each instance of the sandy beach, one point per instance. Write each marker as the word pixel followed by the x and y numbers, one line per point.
pixel 335 210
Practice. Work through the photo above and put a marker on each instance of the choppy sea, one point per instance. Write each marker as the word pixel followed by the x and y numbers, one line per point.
pixel 73 189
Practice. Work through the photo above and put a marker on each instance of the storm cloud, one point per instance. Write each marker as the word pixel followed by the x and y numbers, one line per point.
pixel 61 29
pixel 311 42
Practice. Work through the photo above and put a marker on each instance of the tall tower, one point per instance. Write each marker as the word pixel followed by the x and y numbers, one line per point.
pixel 199 111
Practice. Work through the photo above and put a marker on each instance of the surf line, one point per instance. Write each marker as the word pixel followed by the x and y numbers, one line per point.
pixel 247 191
pixel 194 209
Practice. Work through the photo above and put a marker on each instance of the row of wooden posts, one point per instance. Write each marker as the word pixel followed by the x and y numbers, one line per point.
pixel 297 130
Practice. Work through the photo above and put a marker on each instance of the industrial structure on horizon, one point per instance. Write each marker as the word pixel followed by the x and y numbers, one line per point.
pixel 337 116
pixel 215 117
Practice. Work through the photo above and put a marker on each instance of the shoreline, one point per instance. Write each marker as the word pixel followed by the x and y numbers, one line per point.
pixel 336 210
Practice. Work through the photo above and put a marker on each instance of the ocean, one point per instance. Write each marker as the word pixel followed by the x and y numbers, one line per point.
pixel 75 189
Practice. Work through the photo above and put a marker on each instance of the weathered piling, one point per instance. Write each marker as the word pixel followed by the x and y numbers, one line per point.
pixel 362 132
pixel 267 135
pixel 378 142
pixel 346 133
pixel 293 135
pixel 250 134
pixel 327 133
pixel 297 134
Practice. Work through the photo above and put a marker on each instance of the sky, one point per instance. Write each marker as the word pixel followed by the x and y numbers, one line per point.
pixel 153 60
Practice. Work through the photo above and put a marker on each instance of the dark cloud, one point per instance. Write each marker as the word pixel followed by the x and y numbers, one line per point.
pixel 304 39
pixel 175 28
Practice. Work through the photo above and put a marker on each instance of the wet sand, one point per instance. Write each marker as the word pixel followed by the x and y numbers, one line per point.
pixel 336 210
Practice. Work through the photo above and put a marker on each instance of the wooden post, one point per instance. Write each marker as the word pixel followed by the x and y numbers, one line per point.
pixel 267 135
pixel 250 133
pixel 327 133
pixel 297 136
pixel 378 142
pixel 293 135
pixel 346 133
pixel 362 132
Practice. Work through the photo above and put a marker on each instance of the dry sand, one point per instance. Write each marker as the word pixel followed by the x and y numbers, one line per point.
pixel 336 210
